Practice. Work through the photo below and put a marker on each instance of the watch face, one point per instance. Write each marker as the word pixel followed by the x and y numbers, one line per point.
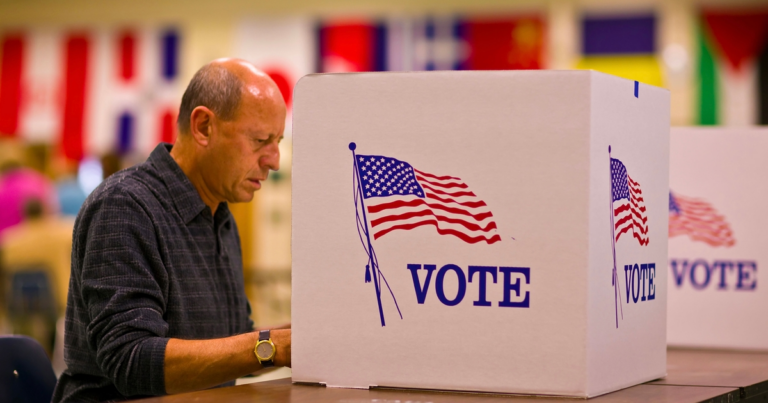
pixel 264 350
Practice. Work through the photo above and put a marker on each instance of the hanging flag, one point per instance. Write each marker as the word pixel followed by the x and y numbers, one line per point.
pixel 93 92
pixel 437 44
pixel 739 35
pixel 503 43
pixel 136 85
pixel 730 43
pixel 699 220
pixel 353 45
pixel 622 45
pixel 11 65
pixel 478 43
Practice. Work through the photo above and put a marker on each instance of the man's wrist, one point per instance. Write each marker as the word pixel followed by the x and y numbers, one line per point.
pixel 281 338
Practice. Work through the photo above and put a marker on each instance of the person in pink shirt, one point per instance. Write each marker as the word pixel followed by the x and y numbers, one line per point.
pixel 17 185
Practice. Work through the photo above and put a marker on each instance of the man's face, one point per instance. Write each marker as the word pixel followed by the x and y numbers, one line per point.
pixel 243 150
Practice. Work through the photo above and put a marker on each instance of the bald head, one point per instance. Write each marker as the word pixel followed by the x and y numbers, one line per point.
pixel 221 85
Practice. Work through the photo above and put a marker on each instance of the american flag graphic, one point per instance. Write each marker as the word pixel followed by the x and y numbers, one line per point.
pixel 628 205
pixel 400 197
pixel 699 220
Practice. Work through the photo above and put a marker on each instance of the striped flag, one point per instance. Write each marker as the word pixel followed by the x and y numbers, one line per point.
pixel 91 91
pixel 400 197
pixel 352 45
pixel 622 45
pixel 732 66
pixel 628 205
pixel 699 220
pixel 135 81
pixel 502 42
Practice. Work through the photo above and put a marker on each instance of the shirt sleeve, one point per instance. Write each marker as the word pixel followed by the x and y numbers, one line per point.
pixel 124 283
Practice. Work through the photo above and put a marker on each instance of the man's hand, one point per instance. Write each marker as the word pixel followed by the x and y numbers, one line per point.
pixel 200 364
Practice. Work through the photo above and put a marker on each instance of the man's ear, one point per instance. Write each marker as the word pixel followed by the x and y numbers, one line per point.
pixel 201 124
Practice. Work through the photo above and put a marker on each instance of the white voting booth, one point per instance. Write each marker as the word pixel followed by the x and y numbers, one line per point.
pixel 480 231
pixel 718 247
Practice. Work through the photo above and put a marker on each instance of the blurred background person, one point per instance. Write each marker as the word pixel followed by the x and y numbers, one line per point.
pixel 35 256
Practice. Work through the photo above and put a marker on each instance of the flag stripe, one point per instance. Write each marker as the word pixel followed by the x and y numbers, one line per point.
pixel 76 72
pixel 125 129
pixel 127 46
pixel 442 231
pixel 416 202
pixel 454 194
pixel 471 204
pixel 422 213
pixel 443 185
pixel 170 54
pixel 168 126
pixel 10 84
pixel 442 178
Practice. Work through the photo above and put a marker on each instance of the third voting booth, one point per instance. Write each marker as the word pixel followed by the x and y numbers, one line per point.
pixel 718 246
pixel 480 231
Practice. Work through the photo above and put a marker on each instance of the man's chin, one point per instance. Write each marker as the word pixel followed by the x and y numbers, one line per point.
pixel 244 196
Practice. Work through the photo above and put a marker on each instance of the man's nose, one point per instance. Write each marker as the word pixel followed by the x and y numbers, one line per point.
pixel 271 158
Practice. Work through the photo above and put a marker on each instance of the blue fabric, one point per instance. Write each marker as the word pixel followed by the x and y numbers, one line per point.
pixel 170 54
pixel 71 196
pixel 125 129
pixel 33 380
pixel 619 35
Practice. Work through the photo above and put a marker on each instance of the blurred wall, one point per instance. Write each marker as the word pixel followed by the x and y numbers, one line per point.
pixel 210 26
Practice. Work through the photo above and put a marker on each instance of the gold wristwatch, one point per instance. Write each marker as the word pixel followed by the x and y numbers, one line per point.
pixel 265 349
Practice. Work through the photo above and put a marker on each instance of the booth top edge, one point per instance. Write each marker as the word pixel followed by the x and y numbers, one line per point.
pixel 465 73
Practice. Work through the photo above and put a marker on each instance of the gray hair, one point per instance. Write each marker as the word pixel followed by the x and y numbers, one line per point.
pixel 214 87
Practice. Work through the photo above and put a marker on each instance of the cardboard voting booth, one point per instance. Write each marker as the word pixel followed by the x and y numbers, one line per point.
pixel 480 231
pixel 718 247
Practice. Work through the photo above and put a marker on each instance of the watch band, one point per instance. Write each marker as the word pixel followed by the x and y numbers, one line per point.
pixel 264 335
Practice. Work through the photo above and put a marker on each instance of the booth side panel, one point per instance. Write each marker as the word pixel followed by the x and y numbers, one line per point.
pixel 628 232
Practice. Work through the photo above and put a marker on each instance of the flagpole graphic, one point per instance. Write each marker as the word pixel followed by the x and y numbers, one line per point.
pixel 615 277
pixel 362 229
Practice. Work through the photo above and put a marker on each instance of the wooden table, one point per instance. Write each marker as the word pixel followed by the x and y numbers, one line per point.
pixel 693 376
pixel 747 371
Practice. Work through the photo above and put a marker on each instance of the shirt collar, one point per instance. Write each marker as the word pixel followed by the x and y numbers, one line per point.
pixel 184 195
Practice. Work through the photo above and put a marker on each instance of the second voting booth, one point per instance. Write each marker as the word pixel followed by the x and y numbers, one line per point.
pixel 717 245
pixel 480 231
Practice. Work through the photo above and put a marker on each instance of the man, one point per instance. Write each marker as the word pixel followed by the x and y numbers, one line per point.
pixel 156 301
